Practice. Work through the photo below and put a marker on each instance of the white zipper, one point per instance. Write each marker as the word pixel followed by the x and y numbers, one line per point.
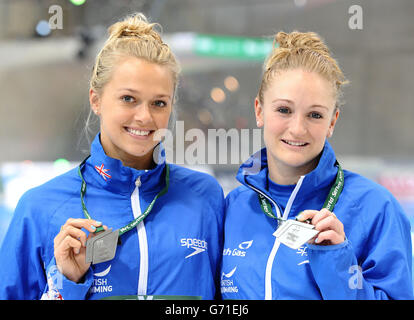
pixel 269 266
pixel 276 244
pixel 142 240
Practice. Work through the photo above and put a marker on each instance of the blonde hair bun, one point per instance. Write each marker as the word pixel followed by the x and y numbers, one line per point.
pixel 303 50
pixel 135 25
pixel 133 36
pixel 301 40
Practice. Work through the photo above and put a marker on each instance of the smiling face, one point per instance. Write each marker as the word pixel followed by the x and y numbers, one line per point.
pixel 135 103
pixel 297 114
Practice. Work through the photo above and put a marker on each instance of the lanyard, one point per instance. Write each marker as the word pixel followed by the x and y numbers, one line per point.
pixel 137 220
pixel 330 201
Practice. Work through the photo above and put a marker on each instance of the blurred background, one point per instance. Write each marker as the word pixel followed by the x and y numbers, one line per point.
pixel 47 50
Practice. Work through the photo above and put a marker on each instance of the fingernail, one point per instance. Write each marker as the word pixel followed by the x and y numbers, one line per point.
pixel 93 228
pixel 298 217
pixel 98 223
pixel 77 251
pixel 316 240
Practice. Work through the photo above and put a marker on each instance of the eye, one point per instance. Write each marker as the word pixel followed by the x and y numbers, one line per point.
pixel 283 110
pixel 127 99
pixel 160 103
pixel 315 115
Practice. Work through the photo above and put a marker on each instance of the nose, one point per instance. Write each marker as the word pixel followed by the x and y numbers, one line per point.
pixel 143 114
pixel 298 127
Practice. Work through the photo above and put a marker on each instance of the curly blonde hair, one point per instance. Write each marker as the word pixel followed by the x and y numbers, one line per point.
pixel 302 50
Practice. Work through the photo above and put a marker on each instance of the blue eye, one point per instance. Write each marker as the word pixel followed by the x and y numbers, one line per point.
pixel 283 110
pixel 160 103
pixel 127 99
pixel 315 115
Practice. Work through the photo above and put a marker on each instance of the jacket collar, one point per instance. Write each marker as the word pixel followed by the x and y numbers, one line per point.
pixel 110 174
pixel 254 172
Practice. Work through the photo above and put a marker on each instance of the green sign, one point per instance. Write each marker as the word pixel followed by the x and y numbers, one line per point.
pixel 78 2
pixel 232 47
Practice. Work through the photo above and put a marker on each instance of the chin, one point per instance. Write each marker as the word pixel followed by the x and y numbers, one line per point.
pixel 141 153
pixel 304 165
pixel 293 161
pixel 137 150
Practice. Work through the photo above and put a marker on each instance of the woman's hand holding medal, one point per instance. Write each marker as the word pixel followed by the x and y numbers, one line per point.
pixel 70 247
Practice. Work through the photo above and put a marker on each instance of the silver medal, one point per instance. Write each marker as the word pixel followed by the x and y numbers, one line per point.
pixel 102 247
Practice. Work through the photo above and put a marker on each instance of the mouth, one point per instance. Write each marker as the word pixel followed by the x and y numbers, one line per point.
pixel 138 133
pixel 293 143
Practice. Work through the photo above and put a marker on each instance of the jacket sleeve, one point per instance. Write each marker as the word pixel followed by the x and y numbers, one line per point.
pixel 381 271
pixel 24 258
pixel 21 264
pixel 61 288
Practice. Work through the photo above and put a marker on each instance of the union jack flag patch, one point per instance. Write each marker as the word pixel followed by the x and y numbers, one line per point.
pixel 103 172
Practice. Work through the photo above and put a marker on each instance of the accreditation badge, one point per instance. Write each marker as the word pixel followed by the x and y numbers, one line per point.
pixel 294 234
pixel 102 247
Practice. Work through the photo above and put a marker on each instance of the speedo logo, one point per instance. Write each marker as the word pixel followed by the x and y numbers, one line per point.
pixel 196 244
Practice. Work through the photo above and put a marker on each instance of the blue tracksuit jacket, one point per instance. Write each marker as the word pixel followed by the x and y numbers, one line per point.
pixel 174 251
pixel 374 262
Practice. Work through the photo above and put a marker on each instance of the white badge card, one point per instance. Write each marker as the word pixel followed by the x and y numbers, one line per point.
pixel 294 234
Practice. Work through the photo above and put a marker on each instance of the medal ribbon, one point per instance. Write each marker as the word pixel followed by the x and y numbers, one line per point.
pixel 330 201
pixel 137 220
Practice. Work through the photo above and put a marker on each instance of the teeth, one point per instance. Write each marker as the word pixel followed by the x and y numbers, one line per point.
pixel 295 143
pixel 138 132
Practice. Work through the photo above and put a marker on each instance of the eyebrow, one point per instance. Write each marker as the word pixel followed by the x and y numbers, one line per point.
pixel 312 106
pixel 161 95
pixel 319 106
pixel 287 100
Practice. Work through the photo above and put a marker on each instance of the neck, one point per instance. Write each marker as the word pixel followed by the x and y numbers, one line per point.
pixel 287 175
pixel 283 178
pixel 141 163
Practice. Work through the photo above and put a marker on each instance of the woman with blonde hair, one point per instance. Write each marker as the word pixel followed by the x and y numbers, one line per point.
pixel 124 224
pixel 301 227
